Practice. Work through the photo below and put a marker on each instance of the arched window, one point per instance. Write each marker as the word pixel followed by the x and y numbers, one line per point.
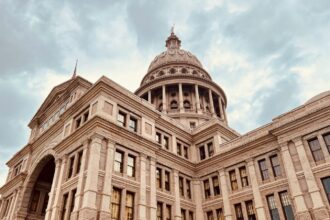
pixel 186 104
pixel 174 104
pixel 195 73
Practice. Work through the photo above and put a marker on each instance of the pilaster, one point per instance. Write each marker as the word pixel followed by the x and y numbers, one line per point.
pixel 313 188
pixel 89 209
pixel 57 196
pixel 255 189
pixel 177 210
pixel 225 195
pixel 107 186
pixel 153 196
pixel 295 189
pixel 143 189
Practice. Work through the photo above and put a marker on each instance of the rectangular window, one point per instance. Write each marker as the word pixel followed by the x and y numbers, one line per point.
pixel 159 178
pixel 179 149
pixel 185 152
pixel 191 215
pixel 130 166
pixel 207 190
pixel 220 215
pixel 244 177
pixel 129 212
pixel 233 180
pixel 71 163
pixel 181 186
pixel 158 138
pixel 115 203
pixel 167 180
pixel 238 211
pixel 183 214
pixel 121 118
pixel 272 207
pixel 133 124
pixel 250 210
pixel 210 149
pixel 216 185
pixel 326 186
pixel 34 200
pixel 209 215
pixel 6 207
pixel 275 166
pixel 263 169
pixel 168 213
pixel 188 188
pixel 202 153
pixel 79 161
pixel 166 143
pixel 159 211
pixel 64 205
pixel 286 205
pixel 326 138
pixel 119 158
pixel 72 200
pixel 316 150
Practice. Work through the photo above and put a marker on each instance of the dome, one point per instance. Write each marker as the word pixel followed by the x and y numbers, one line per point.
pixel 179 60
pixel 319 96
pixel 174 56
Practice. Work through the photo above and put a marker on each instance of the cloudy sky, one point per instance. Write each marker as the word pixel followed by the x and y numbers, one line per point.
pixel 268 56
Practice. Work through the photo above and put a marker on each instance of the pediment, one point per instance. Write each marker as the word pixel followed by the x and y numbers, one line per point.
pixel 59 92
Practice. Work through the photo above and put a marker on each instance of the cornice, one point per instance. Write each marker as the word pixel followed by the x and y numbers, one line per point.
pixel 14 183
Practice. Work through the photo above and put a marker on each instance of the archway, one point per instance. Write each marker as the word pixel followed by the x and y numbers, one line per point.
pixel 35 198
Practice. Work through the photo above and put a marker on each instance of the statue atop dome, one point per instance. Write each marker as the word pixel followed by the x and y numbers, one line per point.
pixel 173 42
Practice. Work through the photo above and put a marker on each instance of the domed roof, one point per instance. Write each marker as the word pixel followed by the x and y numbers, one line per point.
pixel 174 54
pixel 318 96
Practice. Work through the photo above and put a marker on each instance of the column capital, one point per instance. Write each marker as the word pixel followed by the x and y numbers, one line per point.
pixel 250 161
pixel 152 159
pixel 97 137
pixel 297 141
pixel 143 156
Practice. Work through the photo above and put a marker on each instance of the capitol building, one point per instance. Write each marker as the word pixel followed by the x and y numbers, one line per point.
pixel 98 151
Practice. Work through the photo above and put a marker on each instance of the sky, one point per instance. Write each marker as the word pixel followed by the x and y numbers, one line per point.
pixel 268 56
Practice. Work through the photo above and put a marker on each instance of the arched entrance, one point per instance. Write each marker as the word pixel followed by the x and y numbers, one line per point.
pixel 36 198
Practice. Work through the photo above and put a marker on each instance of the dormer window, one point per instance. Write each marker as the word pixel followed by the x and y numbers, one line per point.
pixel 174 105
pixel 186 104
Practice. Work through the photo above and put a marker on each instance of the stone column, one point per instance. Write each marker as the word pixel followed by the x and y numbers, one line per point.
pixel 319 208
pixel 143 188
pixel 149 96
pixel 211 103
pixel 53 189
pixel 255 189
pixel 67 206
pixel 295 189
pixel 89 209
pixel 221 108
pixel 198 103
pixel 56 204
pixel 177 211
pixel 107 188
pixel 180 98
pixel 164 99
pixel 153 196
pixel 225 195
pixel 79 193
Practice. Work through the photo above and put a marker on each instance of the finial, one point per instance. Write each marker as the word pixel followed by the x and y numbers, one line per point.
pixel 172 29
pixel 75 70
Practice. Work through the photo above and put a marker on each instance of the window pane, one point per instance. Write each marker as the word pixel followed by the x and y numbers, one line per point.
pixel 286 205
pixel 202 153
pixel 129 212
pixel 168 213
pixel 326 186
pixel 272 207
pixel 131 165
pixel 263 169
pixel 216 186
pixel 159 211
pixel 118 166
pixel 210 149
pixel 167 180
pixel 159 178
pixel 207 190
pixel 233 180
pixel 275 165
pixel 238 212
pixel 326 138
pixel 115 203
pixel 315 148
